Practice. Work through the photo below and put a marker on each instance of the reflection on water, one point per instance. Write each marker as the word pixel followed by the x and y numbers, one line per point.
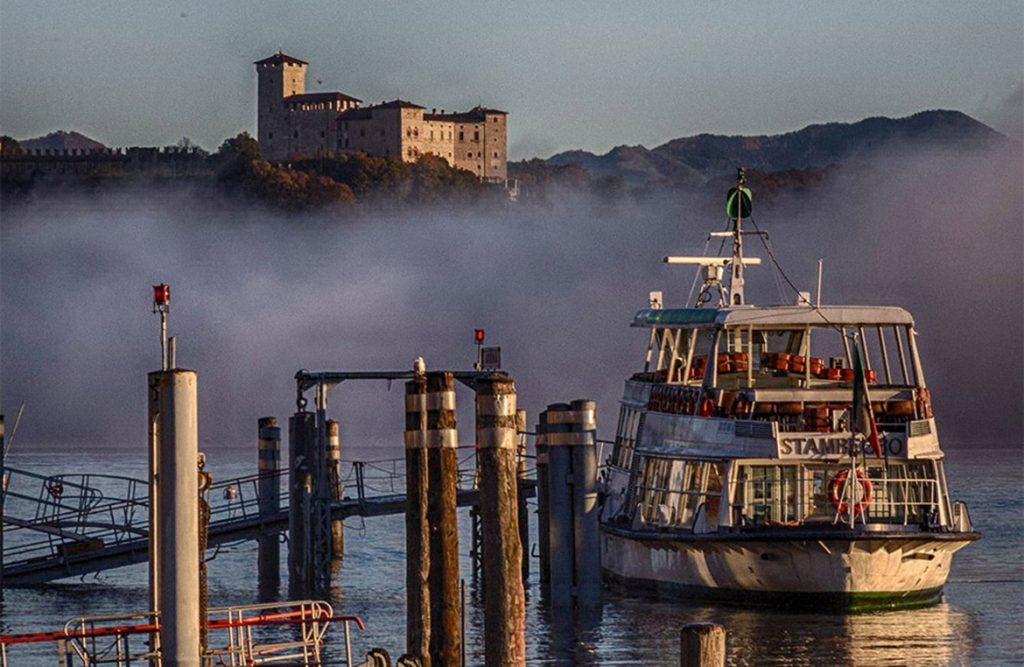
pixel 977 624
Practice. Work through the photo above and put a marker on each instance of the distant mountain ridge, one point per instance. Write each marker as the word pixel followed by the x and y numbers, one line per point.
pixel 697 159
pixel 61 140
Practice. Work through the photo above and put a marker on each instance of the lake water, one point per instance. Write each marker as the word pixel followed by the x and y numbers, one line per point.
pixel 977 623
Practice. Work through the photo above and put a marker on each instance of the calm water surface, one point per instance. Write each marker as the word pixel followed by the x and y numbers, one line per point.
pixel 978 622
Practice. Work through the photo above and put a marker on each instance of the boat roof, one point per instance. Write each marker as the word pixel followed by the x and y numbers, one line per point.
pixel 772 316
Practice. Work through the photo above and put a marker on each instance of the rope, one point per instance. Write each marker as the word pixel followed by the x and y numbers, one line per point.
pixel 796 291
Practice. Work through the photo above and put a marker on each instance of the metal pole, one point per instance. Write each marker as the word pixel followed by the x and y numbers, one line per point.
pixel 543 515
pixel 560 494
pixel 3 494
pixel 417 531
pixel 335 485
pixel 443 474
pixel 504 599
pixel 301 434
pixel 268 555
pixel 587 551
pixel 177 440
pixel 524 510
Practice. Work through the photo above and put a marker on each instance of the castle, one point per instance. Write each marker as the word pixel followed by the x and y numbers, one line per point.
pixel 292 123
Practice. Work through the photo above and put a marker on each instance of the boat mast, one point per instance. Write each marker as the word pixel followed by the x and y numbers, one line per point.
pixel 736 297
pixel 737 206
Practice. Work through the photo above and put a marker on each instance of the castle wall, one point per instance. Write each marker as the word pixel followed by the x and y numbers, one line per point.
pixel 475 141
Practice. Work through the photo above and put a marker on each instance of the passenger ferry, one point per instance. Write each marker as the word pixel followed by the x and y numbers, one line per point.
pixel 747 465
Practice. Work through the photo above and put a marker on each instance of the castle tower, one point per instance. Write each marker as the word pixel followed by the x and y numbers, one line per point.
pixel 278 77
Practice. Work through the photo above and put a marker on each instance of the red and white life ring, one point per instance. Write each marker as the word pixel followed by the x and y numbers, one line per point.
pixel 835 492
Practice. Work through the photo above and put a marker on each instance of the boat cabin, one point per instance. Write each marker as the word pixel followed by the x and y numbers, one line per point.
pixel 742 419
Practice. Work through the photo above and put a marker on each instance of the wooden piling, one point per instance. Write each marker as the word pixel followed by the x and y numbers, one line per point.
pixel 335 486
pixel 443 478
pixel 504 600
pixel 417 532
pixel 268 550
pixel 702 645
pixel 523 509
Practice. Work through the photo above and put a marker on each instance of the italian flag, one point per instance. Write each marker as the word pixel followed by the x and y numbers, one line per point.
pixel 863 420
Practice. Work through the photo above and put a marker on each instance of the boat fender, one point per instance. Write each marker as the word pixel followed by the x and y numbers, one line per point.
pixel 835 492
pixel 55 489
pixel 707 408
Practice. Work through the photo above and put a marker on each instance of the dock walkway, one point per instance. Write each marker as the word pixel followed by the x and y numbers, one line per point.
pixel 62 526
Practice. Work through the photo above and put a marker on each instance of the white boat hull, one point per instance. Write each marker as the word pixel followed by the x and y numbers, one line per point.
pixel 862 572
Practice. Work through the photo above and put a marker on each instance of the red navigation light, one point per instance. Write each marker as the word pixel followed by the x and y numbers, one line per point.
pixel 161 294
pixel 478 334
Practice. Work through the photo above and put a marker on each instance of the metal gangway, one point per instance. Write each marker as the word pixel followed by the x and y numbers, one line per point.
pixel 58 526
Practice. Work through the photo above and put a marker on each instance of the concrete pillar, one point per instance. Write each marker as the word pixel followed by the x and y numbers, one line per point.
pixel 587 537
pixel 335 485
pixel 301 441
pixel 702 645
pixel 561 541
pixel 442 441
pixel 174 424
pixel 417 531
pixel 504 599
pixel 268 553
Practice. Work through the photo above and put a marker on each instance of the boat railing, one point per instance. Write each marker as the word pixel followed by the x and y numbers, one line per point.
pixel 962 518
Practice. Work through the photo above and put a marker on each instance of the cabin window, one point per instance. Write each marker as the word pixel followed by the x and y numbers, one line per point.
pixel 679 493
pixel 625 437
pixel 769 494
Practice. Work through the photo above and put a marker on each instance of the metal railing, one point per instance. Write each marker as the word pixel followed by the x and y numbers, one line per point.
pixel 292 633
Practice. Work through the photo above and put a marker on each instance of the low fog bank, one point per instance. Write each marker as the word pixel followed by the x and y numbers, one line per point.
pixel 257 296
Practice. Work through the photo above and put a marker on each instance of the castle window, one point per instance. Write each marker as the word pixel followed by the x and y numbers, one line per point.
pixel 495 153
pixel 469 156
pixel 270 135
pixel 321 134
pixel 346 143
pixel 344 125
pixel 476 136
pixel 362 132
pixel 461 136
pixel 431 135
pixel 296 134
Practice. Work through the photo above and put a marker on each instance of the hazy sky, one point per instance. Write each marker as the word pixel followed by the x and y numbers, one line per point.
pixel 573 74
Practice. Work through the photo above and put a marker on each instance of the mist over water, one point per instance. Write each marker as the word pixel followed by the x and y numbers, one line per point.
pixel 257 295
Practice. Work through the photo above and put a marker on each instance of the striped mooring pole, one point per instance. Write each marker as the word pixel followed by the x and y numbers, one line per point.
pixel 504 598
